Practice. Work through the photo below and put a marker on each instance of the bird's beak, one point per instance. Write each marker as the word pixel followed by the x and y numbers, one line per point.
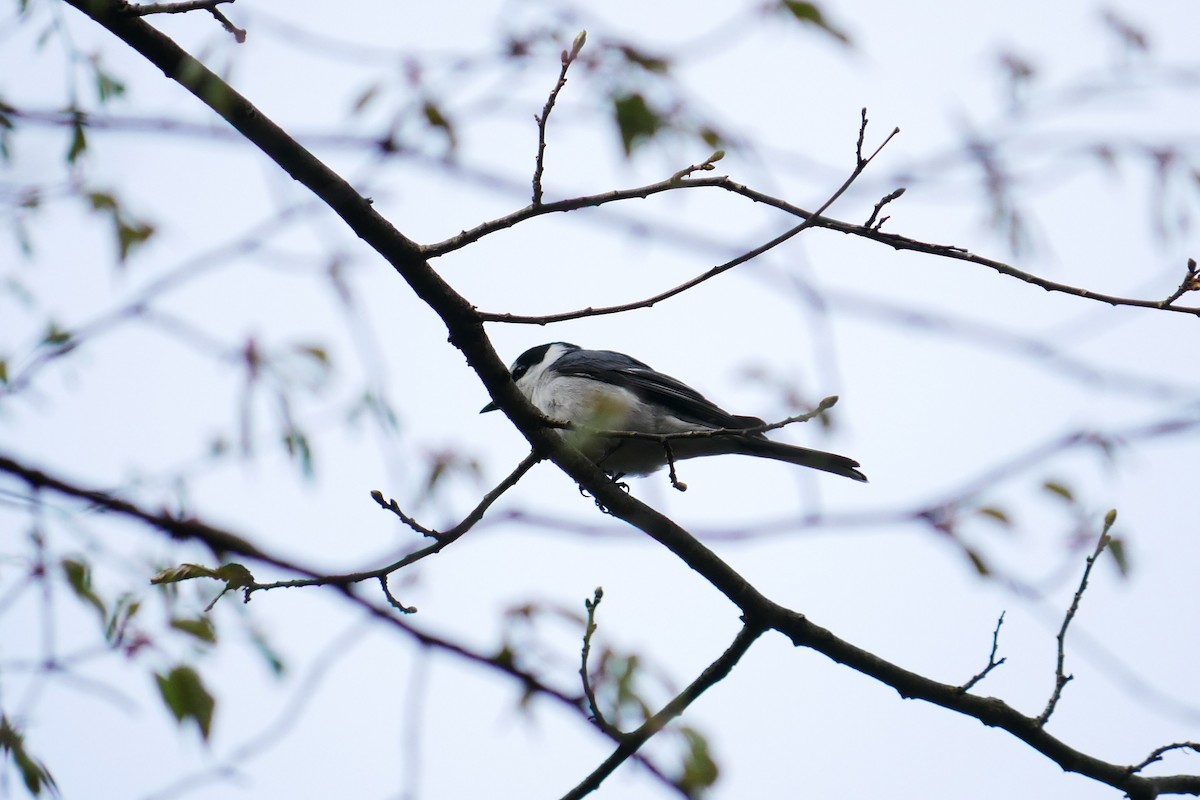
pixel 488 407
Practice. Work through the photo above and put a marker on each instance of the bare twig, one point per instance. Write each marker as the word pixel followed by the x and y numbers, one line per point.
pixel 992 662
pixel 184 7
pixel 146 9
pixel 710 433
pixel 1190 283
pixel 1061 679
pixel 871 223
pixel 568 58
pixel 1161 751
pixel 675 482
pixel 597 715
pixel 443 540
pixel 860 165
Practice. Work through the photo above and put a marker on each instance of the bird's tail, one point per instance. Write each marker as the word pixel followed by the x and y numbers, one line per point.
pixel 803 456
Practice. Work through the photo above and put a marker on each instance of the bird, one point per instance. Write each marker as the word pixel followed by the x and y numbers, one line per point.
pixel 602 390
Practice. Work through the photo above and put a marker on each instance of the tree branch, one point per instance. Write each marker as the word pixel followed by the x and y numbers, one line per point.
pixel 466 333
pixel 568 58
pixel 631 742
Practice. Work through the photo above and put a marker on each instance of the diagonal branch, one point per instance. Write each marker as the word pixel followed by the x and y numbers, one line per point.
pixel 631 742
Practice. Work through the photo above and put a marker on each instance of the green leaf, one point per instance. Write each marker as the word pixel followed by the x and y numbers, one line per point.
pixel 124 611
pixel 200 627
pixel 655 64
pixel 978 562
pixel 78 141
pixel 636 121
pixel 79 577
pixel 437 119
pixel 187 698
pixel 55 335
pixel 699 770
pixel 3 370
pixel 296 442
pixel 810 14
pixel 107 87
pixel 130 234
pixel 1120 554
pixel 997 514
pixel 235 575
pixel 33 772
pixel 1060 490
pixel 184 572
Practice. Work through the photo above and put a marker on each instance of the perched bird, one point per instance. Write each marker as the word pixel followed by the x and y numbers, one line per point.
pixel 602 390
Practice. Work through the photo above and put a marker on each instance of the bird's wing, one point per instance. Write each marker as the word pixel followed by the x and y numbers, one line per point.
pixel 621 370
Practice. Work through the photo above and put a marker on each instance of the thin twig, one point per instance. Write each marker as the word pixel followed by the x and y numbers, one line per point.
pixel 443 539
pixel 147 9
pixel 184 7
pixel 811 221
pixel 992 662
pixel 707 433
pixel 1161 751
pixel 588 691
pixel 1190 283
pixel 568 58
pixel 1061 679
pixel 678 484
pixel 887 198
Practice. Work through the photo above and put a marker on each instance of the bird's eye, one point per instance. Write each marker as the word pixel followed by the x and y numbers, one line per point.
pixel 519 371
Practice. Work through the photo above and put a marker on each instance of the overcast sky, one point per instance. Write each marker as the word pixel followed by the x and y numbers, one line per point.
pixel 945 371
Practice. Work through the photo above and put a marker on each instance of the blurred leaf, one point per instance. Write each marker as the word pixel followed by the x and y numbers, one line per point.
pixel 712 138
pixel 810 14
pixel 365 99
pixel 78 141
pixel 184 572
pixel 55 335
pixel 234 574
pixel 200 627
pixel 6 129
pixel 130 234
pixel 107 87
pixel 296 443
pixel 977 562
pixel 79 577
pixel 1120 554
pixel 655 64
pixel 187 698
pixel 636 122
pixel 1060 490
pixel 273 659
pixel 699 770
pixel 375 405
pixel 315 352
pixel 438 120
pixel 102 201
pixel 997 514
pixel 4 370
pixel 33 772
pixel 124 611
